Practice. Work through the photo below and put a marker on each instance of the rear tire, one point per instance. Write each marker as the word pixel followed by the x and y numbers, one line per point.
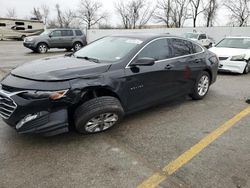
pixel 77 46
pixel 201 86
pixel 42 48
pixel 98 115
pixel 22 37
pixel 247 68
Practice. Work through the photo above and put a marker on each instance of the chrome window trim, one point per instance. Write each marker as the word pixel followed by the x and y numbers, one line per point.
pixel 127 66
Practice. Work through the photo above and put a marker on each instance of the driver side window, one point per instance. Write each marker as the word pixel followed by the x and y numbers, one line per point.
pixel 56 34
pixel 157 50
pixel 202 36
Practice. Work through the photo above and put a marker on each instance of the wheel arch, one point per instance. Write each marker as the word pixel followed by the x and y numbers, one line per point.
pixel 210 74
pixel 98 91
pixel 42 42
pixel 77 41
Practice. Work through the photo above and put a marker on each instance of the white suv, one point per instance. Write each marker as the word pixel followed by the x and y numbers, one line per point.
pixel 201 38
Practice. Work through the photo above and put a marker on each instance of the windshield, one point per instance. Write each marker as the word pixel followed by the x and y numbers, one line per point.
pixel 191 35
pixel 243 43
pixel 46 32
pixel 109 48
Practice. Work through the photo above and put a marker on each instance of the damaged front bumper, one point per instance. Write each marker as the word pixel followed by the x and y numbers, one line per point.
pixel 232 66
pixel 40 116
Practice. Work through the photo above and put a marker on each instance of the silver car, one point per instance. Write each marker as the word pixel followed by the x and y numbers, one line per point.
pixel 56 38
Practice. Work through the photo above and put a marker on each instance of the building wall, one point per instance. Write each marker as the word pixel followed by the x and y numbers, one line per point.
pixel 217 33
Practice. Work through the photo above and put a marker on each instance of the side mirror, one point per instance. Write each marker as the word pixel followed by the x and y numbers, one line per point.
pixel 145 61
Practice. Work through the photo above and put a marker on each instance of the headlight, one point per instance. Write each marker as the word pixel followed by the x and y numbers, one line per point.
pixel 27 39
pixel 238 57
pixel 53 95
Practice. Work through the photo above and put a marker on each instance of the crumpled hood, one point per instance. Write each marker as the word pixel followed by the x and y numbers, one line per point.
pixel 228 52
pixel 59 68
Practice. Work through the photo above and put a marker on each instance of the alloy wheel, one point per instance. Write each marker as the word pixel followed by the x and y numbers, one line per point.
pixel 78 46
pixel 42 48
pixel 203 85
pixel 101 122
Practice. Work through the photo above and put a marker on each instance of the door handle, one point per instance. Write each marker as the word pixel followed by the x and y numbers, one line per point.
pixel 169 66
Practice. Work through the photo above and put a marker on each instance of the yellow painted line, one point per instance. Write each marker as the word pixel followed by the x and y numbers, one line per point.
pixel 173 166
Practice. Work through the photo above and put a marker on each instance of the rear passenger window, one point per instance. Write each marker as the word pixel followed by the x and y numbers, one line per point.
pixel 181 47
pixel 197 48
pixel 158 50
pixel 66 33
pixel 78 32
pixel 2 24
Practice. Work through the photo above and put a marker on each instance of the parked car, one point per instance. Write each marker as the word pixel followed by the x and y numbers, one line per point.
pixel 248 101
pixel 234 54
pixel 56 38
pixel 96 86
pixel 201 38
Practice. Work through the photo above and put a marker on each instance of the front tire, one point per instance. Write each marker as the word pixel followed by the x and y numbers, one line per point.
pixel 98 115
pixel 42 48
pixel 201 86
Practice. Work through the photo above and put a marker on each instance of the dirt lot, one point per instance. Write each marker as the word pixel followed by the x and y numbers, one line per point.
pixel 141 146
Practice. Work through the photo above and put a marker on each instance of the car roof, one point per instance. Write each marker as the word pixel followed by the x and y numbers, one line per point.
pixel 240 37
pixel 145 36
pixel 62 29
pixel 198 33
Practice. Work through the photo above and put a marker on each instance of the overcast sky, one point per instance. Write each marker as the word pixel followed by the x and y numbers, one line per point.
pixel 24 8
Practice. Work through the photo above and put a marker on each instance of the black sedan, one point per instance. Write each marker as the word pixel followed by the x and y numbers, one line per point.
pixel 92 89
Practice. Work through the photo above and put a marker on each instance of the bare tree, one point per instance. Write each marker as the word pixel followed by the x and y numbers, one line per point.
pixel 123 13
pixel 45 13
pixel 11 13
pixel 64 18
pixel 41 13
pixel 68 17
pixel 210 10
pixel 164 11
pixel 146 15
pixel 36 14
pixel 172 12
pixel 89 12
pixel 135 13
pixel 59 15
pixel 197 8
pixel 51 24
pixel 134 7
pixel 180 12
pixel 239 11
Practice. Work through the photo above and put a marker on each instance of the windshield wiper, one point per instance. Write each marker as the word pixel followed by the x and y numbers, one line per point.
pixel 89 59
